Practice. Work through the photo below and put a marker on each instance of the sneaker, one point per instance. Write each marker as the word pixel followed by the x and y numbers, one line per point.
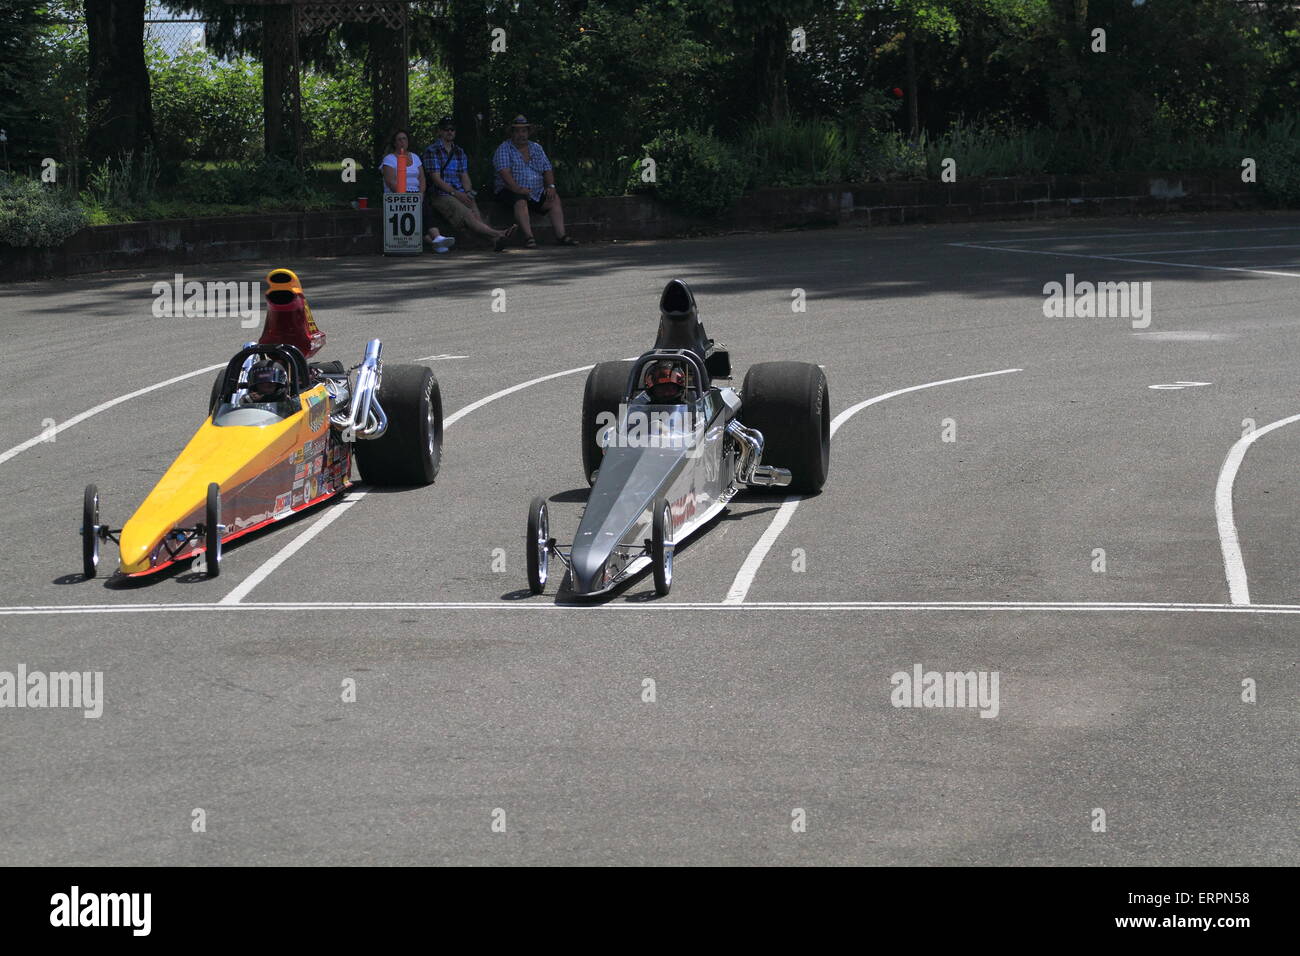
pixel 444 243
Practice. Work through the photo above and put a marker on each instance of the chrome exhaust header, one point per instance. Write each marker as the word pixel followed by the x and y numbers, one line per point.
pixel 749 469
pixel 364 416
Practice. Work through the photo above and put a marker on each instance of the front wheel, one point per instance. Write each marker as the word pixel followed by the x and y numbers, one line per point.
pixel 538 545
pixel 212 532
pixel 90 532
pixel 661 547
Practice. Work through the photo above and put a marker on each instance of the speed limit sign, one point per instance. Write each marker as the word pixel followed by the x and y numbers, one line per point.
pixel 403 224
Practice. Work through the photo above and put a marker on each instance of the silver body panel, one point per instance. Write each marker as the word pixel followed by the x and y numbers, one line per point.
pixel 698 481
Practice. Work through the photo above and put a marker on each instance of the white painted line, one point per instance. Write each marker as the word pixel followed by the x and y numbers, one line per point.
pixel 1063 607
pixel 1165 252
pixel 1148 262
pixel 474 406
pixel 336 511
pixel 745 576
pixel 439 358
pixel 1233 566
pixel 288 551
pixel 754 560
pixel 1175 386
pixel 91 412
pixel 1139 235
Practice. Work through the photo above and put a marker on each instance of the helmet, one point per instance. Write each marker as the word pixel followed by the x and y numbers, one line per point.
pixel 665 381
pixel 268 382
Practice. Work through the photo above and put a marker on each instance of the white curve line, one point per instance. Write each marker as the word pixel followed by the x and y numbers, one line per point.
pixel 91 412
pixel 1138 235
pixel 261 573
pixel 474 406
pixel 745 576
pixel 1148 262
pixel 293 547
pixel 1233 566
pixel 1064 607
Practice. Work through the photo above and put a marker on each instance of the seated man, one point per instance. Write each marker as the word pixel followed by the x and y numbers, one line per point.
pixel 525 182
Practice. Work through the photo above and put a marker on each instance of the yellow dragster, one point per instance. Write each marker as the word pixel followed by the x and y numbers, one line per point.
pixel 280 437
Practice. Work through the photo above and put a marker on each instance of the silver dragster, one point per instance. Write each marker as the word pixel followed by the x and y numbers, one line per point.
pixel 665 448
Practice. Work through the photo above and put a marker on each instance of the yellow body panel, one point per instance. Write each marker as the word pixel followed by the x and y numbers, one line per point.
pixel 229 455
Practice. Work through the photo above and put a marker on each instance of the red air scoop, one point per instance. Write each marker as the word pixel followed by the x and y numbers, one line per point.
pixel 289 322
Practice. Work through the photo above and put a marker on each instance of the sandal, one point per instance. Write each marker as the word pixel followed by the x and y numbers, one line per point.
pixel 500 244
pixel 566 241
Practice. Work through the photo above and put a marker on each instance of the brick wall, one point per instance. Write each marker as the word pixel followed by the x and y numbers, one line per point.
pixel 357 232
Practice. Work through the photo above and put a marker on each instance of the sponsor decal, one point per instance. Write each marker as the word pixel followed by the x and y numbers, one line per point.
pixel 299 454
pixel 281 503
pixel 296 500
pixel 683 509
pixel 316 412
pixel 313 487
pixel 301 472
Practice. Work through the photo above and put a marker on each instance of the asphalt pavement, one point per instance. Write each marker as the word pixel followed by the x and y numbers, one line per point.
pixel 1032 497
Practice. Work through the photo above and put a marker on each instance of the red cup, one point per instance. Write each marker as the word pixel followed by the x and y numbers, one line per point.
pixel 363 203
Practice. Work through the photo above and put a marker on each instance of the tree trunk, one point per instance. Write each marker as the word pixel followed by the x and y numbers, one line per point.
pixel 913 110
pixel 770 41
pixel 119 112
pixel 387 71
pixel 279 86
pixel 469 71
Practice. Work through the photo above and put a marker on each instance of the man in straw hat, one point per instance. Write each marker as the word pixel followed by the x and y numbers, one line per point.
pixel 525 182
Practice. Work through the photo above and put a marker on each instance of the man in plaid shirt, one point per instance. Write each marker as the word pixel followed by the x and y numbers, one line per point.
pixel 451 192
pixel 525 183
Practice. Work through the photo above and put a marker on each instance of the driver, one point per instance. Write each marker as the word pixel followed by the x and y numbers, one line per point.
pixel 665 382
pixel 267 382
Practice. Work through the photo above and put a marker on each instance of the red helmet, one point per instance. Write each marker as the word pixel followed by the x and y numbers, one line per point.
pixel 665 381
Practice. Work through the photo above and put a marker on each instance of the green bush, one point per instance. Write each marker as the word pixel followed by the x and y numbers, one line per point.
pixel 204 106
pixel 1279 160
pixel 796 153
pixel 129 180
pixel 34 214
pixel 984 149
pixel 694 171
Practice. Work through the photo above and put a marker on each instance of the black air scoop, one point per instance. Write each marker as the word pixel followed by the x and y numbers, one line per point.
pixel 679 320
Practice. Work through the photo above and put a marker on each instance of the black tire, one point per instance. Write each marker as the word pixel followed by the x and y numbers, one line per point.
pixel 662 547
pixel 212 532
pixel 410 451
pixel 90 532
pixel 790 403
pixel 536 545
pixel 606 388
